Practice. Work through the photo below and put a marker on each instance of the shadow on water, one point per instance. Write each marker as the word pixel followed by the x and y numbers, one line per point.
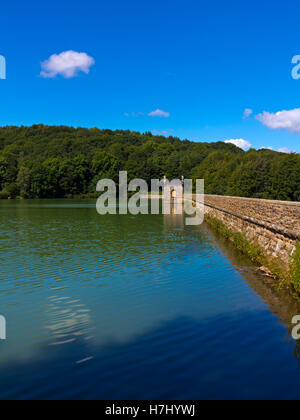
pixel 180 359
pixel 279 301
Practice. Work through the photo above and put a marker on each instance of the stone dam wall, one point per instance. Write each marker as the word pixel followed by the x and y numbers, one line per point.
pixel 273 225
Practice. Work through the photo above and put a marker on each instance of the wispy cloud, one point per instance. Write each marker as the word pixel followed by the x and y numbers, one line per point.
pixel 281 150
pixel 159 113
pixel 247 113
pixel 241 143
pixel 168 132
pixel 134 114
pixel 267 148
pixel 282 120
pixel 286 150
pixel 67 64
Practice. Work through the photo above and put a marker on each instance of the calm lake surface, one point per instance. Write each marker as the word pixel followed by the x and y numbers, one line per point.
pixel 135 307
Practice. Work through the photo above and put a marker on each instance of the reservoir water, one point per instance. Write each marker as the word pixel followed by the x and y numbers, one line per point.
pixel 136 307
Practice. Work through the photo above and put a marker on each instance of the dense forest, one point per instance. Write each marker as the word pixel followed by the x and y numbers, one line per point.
pixel 47 162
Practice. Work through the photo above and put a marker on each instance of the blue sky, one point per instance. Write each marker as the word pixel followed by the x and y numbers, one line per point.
pixel 202 63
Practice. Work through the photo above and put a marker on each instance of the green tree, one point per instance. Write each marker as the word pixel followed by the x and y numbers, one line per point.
pixel 24 182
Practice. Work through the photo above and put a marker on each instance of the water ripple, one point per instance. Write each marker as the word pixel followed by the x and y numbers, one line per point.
pixel 135 307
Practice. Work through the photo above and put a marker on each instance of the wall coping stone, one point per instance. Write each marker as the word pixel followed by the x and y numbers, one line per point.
pixel 285 232
pixel 259 200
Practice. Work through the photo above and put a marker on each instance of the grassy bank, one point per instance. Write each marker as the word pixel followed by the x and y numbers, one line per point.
pixel 295 268
pixel 288 277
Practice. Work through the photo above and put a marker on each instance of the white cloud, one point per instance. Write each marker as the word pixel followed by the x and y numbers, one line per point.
pixel 241 143
pixel 68 64
pixel 247 113
pixel 286 120
pixel 159 113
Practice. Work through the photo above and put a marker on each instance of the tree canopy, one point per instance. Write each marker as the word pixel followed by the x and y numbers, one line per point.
pixel 53 162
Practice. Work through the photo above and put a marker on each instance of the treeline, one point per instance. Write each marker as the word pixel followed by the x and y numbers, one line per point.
pixel 54 162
